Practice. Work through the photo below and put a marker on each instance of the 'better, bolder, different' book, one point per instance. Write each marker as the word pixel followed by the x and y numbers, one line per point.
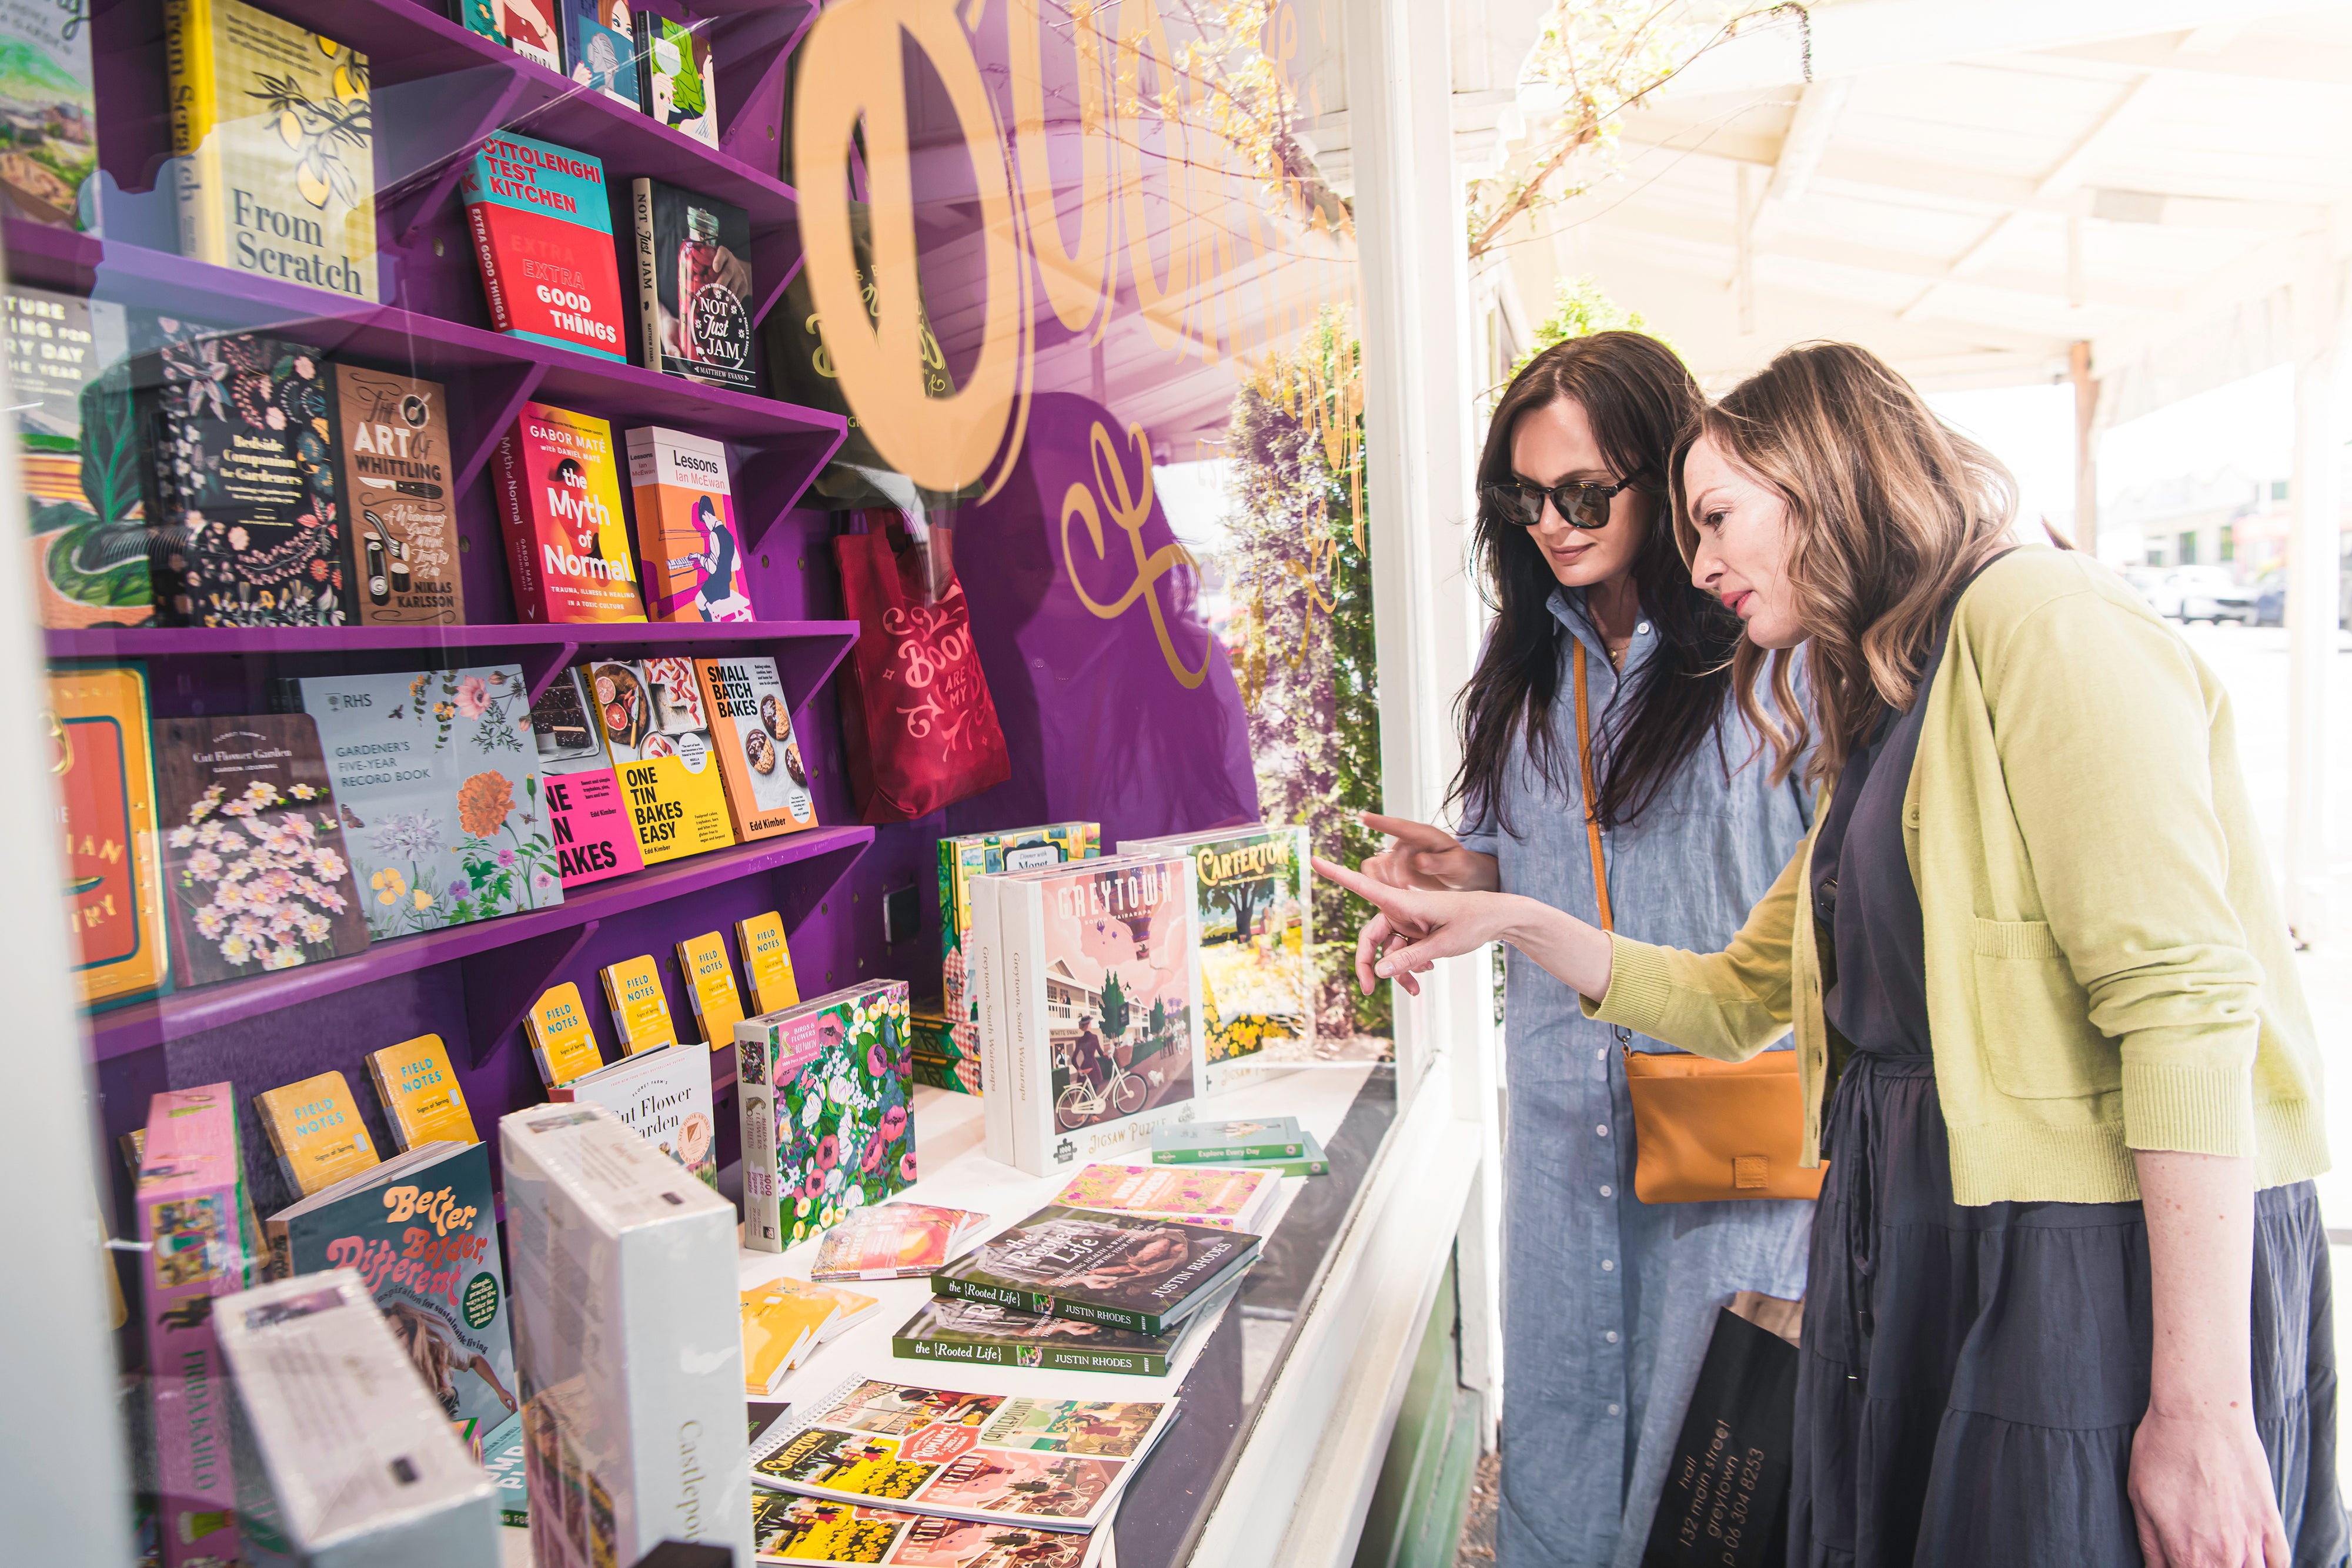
pixel 1129 1272
pixel 542 228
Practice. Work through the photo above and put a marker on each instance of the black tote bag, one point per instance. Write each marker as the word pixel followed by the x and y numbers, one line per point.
pixel 1725 1503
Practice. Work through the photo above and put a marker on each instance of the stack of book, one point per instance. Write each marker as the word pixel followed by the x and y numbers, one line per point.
pixel 1143 1272
pixel 1274 1143
pixel 785 1320
pixel 895 1241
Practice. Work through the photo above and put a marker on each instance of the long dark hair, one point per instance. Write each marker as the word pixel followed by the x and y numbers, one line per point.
pixel 1639 398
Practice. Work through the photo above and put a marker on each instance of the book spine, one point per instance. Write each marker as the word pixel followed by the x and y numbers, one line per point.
pixel 189 1386
pixel 1226 1153
pixel 641 35
pixel 983 953
pixel 279 1235
pixel 764 1229
pixel 1038 1304
pixel 515 521
pixel 641 205
pixel 1029 1045
pixel 393 1109
pixel 486 253
pixel 190 69
pixel 949 1350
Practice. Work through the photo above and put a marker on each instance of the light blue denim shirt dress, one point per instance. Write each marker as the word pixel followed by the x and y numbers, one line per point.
pixel 1607 1302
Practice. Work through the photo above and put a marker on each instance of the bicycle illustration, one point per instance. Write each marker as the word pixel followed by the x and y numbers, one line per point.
pixel 1079 1104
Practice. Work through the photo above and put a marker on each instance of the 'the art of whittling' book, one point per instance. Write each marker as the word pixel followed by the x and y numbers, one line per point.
pixel 1130 1271
pixel 711 987
pixel 632 988
pixel 314 1129
pixel 563 1042
pixel 767 963
pixel 664 1094
pixel 420 1093
pixel 1052 1464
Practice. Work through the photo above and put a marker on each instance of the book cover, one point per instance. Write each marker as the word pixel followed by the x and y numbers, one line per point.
pixel 190 1194
pixel 985 1334
pixel 97 729
pixel 543 228
pixel 315 1131
pixel 809 1533
pixel 436 782
pixel 659 730
pixel 561 1041
pixel 424 1238
pixel 962 858
pixel 587 819
pixel 82 499
pixel 1130 1271
pixel 339 1453
pixel 526 27
pixel 767 963
pixel 824 1093
pixel 276 141
pixel 400 490
pixel 1211 1196
pixel 633 1371
pixel 1056 1464
pixel 676 82
pixel 850 1308
pixel 689 542
pixel 597 42
pixel 242 433
pixel 711 987
pixel 1221 1143
pixel 422 1100
pixel 663 1094
pixel 939 1061
pixel 693 285
pixel 780 1327
pixel 255 870
pixel 1103 977
pixel 633 990
pixel 1257 963
pixel 559 494
pixel 50 98
pixel 759 758
pixel 1309 1162
pixel 893 1241
pixel 502 1461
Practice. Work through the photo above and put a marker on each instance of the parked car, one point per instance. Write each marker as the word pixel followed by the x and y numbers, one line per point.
pixel 2270 598
pixel 2203 593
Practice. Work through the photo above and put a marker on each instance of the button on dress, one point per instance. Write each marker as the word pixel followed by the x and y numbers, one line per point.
pixel 1608 1301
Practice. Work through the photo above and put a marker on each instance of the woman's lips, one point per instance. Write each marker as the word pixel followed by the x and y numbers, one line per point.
pixel 1737 602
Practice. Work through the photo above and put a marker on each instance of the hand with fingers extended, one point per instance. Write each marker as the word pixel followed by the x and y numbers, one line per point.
pixel 1421 856
pixel 1417 926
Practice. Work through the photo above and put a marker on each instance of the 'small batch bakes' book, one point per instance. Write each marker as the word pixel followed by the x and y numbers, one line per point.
pixel 190 1194
pixel 437 780
pixel 563 1042
pixel 542 229
pixel 1054 1464
pixel 87 520
pixel 400 496
pixel 251 529
pixel 675 83
pixel 1129 1272
pixel 242 800
pixel 759 757
pixel 632 1371
pixel 962 858
pixel 1257 967
pixel 422 1234
pixel 421 1100
pixel 710 988
pixel 641 1016
pixel 985 1334
pixel 664 1095
pixel 559 496
pixel 276 139
pixel 48 83
pixel 687 538
pixel 693 285
pixel 314 1129
pixel 586 817
pixel 767 963
pixel 106 788
pixel 658 729
pixel 828 1122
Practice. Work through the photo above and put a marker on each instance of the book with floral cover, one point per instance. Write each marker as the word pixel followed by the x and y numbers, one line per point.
pixel 1221 1199
pixel 664 1095
pixel 894 1241
pixel 823 1093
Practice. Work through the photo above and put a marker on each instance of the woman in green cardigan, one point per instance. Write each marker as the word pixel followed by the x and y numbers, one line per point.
pixel 2069 1295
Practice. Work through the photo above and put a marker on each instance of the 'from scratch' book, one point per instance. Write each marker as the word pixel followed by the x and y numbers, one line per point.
pixel 1130 1271
pixel 419 1090
pixel 586 817
pixel 658 729
pixel 542 230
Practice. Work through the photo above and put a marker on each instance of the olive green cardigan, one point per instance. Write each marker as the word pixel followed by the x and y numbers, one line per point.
pixel 2107 967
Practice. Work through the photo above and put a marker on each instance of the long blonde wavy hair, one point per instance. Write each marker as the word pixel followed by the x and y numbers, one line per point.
pixel 1890 509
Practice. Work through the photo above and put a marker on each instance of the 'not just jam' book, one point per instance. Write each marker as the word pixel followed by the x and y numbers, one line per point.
pixel 542 228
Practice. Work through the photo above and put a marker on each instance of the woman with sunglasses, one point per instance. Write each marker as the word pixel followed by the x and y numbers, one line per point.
pixel 2070 1299
pixel 1604 677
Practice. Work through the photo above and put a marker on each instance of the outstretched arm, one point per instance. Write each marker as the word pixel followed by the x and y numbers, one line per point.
pixel 1417 926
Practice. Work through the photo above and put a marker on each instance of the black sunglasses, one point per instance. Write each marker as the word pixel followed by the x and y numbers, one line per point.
pixel 1579 505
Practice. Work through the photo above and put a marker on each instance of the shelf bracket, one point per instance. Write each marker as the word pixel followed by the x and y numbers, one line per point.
pixel 542 664
pixel 429 190
pixel 502 987
pixel 505 391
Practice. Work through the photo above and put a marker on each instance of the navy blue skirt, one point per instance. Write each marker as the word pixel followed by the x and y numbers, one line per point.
pixel 1970 1378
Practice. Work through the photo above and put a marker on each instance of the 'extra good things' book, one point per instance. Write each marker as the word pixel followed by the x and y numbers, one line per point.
pixel 759 758
pixel 559 494
pixel 1098 1008
pixel 436 782
pixel 687 538
pixel 80 474
pixel 633 1370
pixel 244 803
pixel 693 285
pixel 1053 1464
pixel 664 1094
pixel 1257 965
pixel 315 1131
pixel 827 1122
pixel 962 858
pixel 401 497
pixel 190 1194
pixel 542 231
pixel 50 84
pixel 1128 1270
pixel 641 1016
pixel 422 1100
pixel 276 140
pixel 658 729
pixel 586 817
pixel 106 789
pixel 675 83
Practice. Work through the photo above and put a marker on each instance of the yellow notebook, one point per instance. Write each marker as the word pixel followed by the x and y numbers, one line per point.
pixel 314 1129
pixel 640 1007
pixel 710 984
pixel 767 962
pixel 562 1043
pixel 778 1327
pixel 420 1093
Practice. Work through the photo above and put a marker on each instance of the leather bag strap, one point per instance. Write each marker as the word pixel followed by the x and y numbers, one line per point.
pixel 1592 822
